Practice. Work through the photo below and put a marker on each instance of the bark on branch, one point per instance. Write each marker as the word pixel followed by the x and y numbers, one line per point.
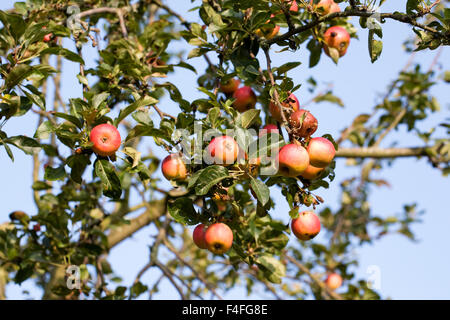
pixel 381 152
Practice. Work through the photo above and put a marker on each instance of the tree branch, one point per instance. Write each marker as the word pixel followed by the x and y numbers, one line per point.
pixel 379 153
pixel 356 13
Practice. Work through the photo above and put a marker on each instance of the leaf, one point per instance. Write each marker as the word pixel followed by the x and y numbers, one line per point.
pixel 26 144
pixel 286 67
pixel 334 54
pixel 210 177
pixel 147 100
pixel 53 174
pixel 78 164
pixel 274 270
pixel 412 5
pixel 330 98
pixel 44 130
pixel 182 211
pixel 70 118
pixel 261 190
pixel 110 181
pixel 36 96
pixel 133 154
pixel 99 99
pixel 17 75
pixel 375 47
pixel 69 55
pixel 247 118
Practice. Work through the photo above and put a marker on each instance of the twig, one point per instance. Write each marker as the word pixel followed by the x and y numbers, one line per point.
pixel 320 283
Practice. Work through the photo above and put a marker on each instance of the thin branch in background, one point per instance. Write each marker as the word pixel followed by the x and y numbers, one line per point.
pixel 320 283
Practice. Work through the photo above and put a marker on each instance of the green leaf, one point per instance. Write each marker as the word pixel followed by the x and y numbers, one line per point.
pixel 53 174
pixel 330 98
pixel 17 75
pixel 286 67
pixel 78 164
pixel 375 47
pixel 274 270
pixel 210 177
pixel 69 55
pixel 26 144
pixel 315 49
pixel 412 5
pixel 182 211
pixel 99 99
pixel 145 101
pixel 247 118
pixel 110 181
pixel 44 130
pixel 261 190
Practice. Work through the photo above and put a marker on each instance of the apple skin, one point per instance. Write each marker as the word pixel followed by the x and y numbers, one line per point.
pixel 173 167
pixel 336 37
pixel 306 226
pixel 308 126
pixel 333 281
pixel 311 172
pixel 294 6
pixel 321 152
pixel 48 37
pixel 199 236
pixel 223 150
pixel 325 5
pixel 267 31
pixel 269 128
pixel 290 102
pixel 245 99
pixel 106 139
pixel 230 86
pixel 218 238
pixel 293 160
pixel 335 8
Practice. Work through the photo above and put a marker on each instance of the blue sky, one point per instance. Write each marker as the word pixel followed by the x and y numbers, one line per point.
pixel 408 270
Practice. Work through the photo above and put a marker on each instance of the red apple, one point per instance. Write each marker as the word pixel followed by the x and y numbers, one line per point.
pixel 230 86
pixel 291 102
pixel 321 152
pixel 218 238
pixel 268 32
pixel 199 236
pixel 223 150
pixel 336 37
pixel 173 167
pixel 268 128
pixel 106 139
pixel 305 128
pixel 323 7
pixel 311 172
pixel 48 37
pixel 245 99
pixel 306 226
pixel 294 6
pixel 333 281
pixel 334 8
pixel 293 160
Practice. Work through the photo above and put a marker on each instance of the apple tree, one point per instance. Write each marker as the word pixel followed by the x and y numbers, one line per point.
pixel 95 187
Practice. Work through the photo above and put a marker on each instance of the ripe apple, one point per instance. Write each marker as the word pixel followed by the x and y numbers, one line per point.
pixel 106 139
pixel 268 32
pixel 223 150
pixel 306 226
pixel 173 167
pixel 323 7
pixel 334 8
pixel 268 128
pixel 293 160
pixel 291 102
pixel 305 128
pixel 218 238
pixel 199 236
pixel 311 172
pixel 230 86
pixel 333 281
pixel 294 6
pixel 336 37
pixel 245 99
pixel 321 152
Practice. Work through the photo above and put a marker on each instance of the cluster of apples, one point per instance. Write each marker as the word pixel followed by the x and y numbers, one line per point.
pixel 336 37
pixel 270 32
